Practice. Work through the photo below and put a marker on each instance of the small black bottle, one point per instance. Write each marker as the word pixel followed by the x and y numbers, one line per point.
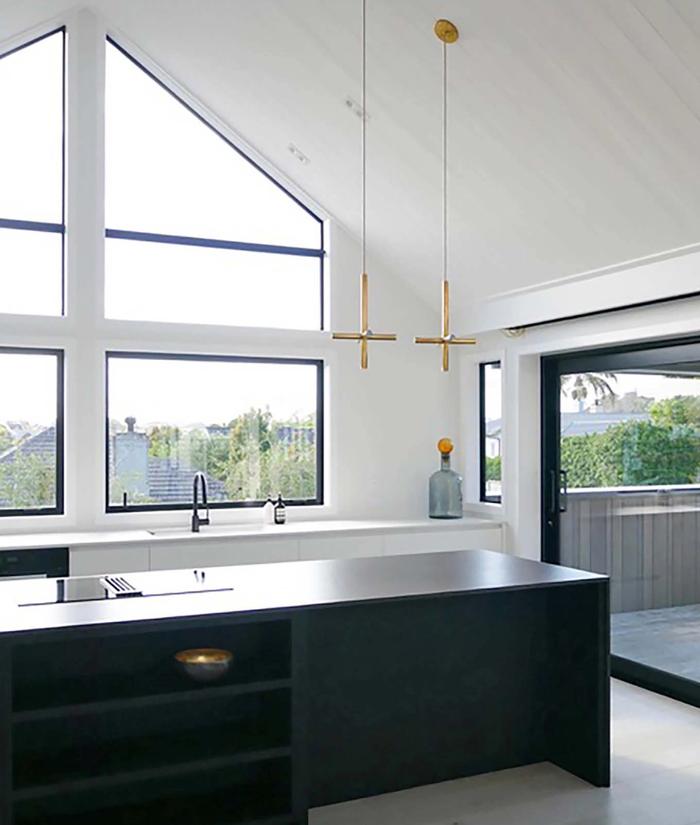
pixel 280 510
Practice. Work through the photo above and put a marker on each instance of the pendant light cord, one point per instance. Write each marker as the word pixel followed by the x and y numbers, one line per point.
pixel 363 106
pixel 444 161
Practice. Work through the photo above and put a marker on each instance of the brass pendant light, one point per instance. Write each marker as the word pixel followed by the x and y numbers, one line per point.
pixel 446 32
pixel 365 335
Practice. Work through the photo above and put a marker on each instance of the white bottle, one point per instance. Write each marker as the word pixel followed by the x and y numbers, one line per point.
pixel 269 511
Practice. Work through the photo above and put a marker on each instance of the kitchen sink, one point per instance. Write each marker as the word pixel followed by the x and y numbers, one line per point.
pixel 207 530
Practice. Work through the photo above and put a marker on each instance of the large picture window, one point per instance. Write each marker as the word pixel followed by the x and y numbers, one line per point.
pixel 254 426
pixel 31 432
pixel 32 224
pixel 196 232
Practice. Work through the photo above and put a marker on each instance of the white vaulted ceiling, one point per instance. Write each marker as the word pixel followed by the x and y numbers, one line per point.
pixel 575 124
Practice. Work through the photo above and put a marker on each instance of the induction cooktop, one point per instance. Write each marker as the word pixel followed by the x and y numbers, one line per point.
pixel 132 585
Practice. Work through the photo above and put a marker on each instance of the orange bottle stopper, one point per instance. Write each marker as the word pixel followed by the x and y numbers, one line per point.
pixel 445 446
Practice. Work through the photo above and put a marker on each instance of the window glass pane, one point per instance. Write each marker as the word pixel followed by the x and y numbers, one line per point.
pixel 31 137
pixel 627 430
pixel 493 419
pixel 28 441
pixel 169 282
pixel 167 172
pixel 31 279
pixel 250 427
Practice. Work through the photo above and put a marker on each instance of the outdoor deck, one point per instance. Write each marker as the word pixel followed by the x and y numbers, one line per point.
pixel 667 639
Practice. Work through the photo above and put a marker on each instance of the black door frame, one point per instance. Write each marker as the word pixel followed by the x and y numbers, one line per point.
pixel 602 359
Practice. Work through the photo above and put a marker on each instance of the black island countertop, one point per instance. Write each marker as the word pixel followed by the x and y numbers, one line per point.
pixel 283 586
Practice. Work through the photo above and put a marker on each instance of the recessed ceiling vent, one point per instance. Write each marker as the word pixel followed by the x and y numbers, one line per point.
pixel 298 154
pixel 355 108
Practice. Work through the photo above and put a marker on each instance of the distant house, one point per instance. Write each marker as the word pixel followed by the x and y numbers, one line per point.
pixel 42 444
pixel 572 423
pixel 153 478
pixel 589 423
pixel 170 482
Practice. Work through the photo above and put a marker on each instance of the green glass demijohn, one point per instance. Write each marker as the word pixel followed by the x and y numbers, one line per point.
pixel 445 489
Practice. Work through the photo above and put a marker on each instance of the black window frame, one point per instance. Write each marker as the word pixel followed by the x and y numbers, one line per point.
pixel 47 226
pixel 318 363
pixel 58 508
pixel 483 496
pixel 219 243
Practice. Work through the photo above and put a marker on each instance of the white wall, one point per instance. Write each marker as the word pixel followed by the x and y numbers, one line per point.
pixel 382 424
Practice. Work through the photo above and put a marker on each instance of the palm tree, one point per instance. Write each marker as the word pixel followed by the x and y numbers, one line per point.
pixel 578 385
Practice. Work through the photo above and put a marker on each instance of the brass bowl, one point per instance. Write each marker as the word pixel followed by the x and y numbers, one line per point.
pixel 204 664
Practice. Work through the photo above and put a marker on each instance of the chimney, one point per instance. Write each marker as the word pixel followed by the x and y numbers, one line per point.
pixel 131 460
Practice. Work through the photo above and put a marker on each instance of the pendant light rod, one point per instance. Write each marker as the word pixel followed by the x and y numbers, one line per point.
pixel 365 335
pixel 363 142
pixel 444 161
pixel 447 32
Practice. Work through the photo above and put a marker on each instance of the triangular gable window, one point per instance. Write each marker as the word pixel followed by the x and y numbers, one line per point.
pixel 196 232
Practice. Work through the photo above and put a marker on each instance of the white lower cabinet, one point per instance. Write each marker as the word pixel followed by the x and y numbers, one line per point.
pixel 94 560
pixel 221 552
pixel 340 547
pixel 434 541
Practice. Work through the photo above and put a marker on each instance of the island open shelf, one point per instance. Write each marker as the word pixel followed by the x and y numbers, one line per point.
pixel 257 793
pixel 131 667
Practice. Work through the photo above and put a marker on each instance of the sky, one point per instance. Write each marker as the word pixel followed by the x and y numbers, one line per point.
pixel 193 392
pixel 651 386
pixel 28 388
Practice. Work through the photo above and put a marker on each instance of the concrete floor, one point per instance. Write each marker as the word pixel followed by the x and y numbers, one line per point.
pixel 656 781
pixel 668 638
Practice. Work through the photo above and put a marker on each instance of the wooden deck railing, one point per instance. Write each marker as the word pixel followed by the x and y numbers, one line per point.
pixel 647 542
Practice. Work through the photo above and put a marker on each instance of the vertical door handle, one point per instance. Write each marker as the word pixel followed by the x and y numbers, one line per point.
pixel 553 492
pixel 564 491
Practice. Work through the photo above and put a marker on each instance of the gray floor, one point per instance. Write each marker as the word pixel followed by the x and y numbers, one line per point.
pixel 668 638
pixel 656 781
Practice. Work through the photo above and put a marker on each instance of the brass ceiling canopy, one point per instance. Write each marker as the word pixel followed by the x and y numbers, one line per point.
pixel 447 32
pixel 365 335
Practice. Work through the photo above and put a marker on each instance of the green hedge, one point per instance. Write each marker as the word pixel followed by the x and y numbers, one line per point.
pixel 493 468
pixel 633 453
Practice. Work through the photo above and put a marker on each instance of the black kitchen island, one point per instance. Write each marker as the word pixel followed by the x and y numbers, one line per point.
pixel 349 678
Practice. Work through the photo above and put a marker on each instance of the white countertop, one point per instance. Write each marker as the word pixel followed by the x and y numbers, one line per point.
pixel 154 535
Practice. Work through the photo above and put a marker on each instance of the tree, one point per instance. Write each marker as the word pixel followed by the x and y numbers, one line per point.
pixel 27 481
pixel 679 410
pixel 493 468
pixel 163 441
pixel 578 385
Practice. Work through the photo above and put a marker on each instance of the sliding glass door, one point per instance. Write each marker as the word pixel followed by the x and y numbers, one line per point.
pixel 621 496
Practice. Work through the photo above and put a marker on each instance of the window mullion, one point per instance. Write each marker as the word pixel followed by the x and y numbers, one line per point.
pixel 84 263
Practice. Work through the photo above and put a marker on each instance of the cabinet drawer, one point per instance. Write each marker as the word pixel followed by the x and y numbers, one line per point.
pixel 340 547
pixel 437 541
pixel 95 560
pixel 220 553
